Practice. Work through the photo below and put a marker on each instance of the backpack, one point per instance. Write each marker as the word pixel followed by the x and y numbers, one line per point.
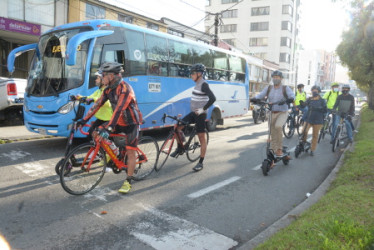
pixel 284 91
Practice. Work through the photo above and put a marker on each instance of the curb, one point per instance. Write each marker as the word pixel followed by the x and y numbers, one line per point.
pixel 10 140
pixel 288 218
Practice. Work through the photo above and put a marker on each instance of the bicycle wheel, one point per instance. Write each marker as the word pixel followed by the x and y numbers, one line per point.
pixel 193 154
pixel 146 157
pixel 167 147
pixel 75 178
pixel 300 124
pixel 321 133
pixel 289 128
pixel 336 141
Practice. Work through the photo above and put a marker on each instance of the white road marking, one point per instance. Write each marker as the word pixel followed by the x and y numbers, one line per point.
pixel 34 169
pixel 15 155
pixel 179 233
pixel 213 187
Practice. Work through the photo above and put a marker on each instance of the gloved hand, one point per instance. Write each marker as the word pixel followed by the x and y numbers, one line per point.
pixel 349 118
pixel 81 123
pixel 254 100
pixel 103 132
pixel 89 100
pixel 302 103
pixel 289 100
pixel 282 102
pixel 199 111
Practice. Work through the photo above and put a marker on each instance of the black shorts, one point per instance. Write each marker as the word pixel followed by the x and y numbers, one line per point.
pixel 199 120
pixel 131 138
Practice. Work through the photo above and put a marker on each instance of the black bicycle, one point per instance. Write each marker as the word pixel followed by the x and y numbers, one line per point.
pixel 294 122
pixel 192 147
pixel 258 113
pixel 340 133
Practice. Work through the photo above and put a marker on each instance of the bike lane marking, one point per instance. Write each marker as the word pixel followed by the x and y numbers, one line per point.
pixel 213 187
pixel 179 233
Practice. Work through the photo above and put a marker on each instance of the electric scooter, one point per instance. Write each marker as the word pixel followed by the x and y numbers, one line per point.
pixel 302 146
pixel 272 158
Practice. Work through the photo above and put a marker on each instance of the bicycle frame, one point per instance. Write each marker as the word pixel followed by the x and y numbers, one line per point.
pixel 100 143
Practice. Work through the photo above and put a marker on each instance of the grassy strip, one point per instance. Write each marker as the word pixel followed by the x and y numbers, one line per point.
pixel 344 217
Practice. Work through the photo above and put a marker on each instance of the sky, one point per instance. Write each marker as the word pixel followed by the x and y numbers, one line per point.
pixel 322 23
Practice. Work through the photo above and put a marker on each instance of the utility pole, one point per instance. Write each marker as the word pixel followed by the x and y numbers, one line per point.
pixel 216 22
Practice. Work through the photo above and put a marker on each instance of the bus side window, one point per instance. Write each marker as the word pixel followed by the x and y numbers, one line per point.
pixel 135 53
pixel 157 55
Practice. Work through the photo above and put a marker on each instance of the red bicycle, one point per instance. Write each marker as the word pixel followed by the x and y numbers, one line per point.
pixel 83 167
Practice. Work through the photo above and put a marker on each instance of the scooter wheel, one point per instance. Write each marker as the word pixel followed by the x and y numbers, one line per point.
pixel 265 167
pixel 285 162
pixel 297 151
pixel 59 166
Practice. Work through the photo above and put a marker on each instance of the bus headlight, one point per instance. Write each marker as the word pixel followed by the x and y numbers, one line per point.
pixel 66 108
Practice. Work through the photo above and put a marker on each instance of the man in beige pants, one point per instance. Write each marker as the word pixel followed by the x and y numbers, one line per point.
pixel 277 93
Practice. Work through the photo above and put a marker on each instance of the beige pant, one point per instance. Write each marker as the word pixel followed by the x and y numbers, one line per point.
pixel 316 129
pixel 277 122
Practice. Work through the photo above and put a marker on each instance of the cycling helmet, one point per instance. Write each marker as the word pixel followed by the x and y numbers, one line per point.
pixel 317 88
pixel 346 86
pixel 277 73
pixel 112 67
pixel 334 84
pixel 300 85
pixel 198 67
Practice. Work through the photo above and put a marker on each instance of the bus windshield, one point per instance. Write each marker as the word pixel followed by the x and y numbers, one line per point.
pixel 49 75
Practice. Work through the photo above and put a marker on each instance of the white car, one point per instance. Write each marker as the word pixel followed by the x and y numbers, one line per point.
pixel 12 92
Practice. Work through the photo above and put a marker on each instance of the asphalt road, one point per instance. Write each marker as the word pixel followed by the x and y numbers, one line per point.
pixel 222 207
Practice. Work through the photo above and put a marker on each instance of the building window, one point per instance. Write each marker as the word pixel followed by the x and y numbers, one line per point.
pixel 94 12
pixel 230 14
pixel 261 55
pixel 175 33
pixel 284 57
pixel 262 26
pixel 287 9
pixel 258 41
pixel 261 11
pixel 207 2
pixel 286 25
pixel 229 41
pixel 229 1
pixel 125 18
pixel 228 28
pixel 40 11
pixel 285 41
pixel 16 9
pixel 152 26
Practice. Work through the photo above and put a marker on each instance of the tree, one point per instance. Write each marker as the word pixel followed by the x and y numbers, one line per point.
pixel 356 51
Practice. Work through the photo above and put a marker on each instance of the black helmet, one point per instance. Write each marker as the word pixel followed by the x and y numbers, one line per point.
pixel 317 88
pixel 277 73
pixel 113 67
pixel 346 86
pixel 198 67
pixel 300 85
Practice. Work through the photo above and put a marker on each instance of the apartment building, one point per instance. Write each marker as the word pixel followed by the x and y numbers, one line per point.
pixel 316 67
pixel 267 29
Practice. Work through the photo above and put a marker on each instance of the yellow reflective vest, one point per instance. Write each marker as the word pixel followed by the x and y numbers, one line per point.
pixel 106 111
pixel 300 97
pixel 330 98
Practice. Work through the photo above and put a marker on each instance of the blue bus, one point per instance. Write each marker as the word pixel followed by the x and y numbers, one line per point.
pixel 156 65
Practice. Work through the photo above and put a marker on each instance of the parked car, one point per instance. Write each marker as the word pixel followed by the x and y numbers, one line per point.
pixel 11 100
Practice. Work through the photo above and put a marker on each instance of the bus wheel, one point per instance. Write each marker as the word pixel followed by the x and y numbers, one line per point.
pixel 212 123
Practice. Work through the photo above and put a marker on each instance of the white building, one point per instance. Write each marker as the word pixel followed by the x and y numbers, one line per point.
pixel 316 67
pixel 266 28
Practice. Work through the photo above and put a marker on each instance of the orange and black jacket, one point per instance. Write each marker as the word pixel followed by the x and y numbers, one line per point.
pixel 125 108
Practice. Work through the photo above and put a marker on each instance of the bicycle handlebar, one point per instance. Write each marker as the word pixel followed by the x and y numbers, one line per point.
pixel 173 118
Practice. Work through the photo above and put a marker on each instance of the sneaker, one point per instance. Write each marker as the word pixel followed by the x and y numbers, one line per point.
pixel 355 131
pixel 126 187
pixel 177 152
pixel 101 163
pixel 311 153
pixel 199 166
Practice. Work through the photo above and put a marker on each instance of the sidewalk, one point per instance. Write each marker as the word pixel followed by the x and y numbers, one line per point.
pixel 19 133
